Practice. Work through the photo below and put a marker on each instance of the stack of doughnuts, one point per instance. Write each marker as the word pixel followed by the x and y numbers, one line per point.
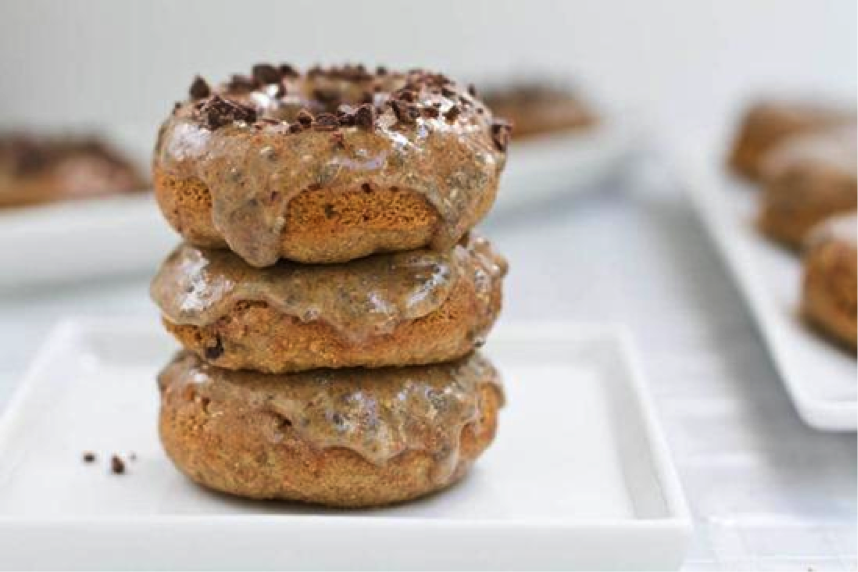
pixel 329 294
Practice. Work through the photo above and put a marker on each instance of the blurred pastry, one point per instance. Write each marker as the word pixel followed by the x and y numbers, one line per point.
pixel 830 284
pixel 539 108
pixel 329 165
pixel 770 122
pixel 388 309
pixel 348 438
pixel 37 169
pixel 806 179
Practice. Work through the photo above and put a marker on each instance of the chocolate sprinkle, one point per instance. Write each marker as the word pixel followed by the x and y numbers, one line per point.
pixel 265 74
pixel 365 116
pixel 217 112
pixel 117 465
pixel 453 113
pixel 199 89
pixel 326 122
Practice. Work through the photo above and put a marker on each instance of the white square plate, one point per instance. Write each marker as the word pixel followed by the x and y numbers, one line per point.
pixel 579 476
pixel 821 378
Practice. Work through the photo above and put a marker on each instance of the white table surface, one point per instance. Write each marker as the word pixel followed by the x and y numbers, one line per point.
pixel 767 492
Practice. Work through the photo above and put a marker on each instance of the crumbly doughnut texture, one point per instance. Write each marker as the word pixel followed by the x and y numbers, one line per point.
pixel 807 179
pixel 389 309
pixel 328 166
pixel 830 284
pixel 770 122
pixel 345 438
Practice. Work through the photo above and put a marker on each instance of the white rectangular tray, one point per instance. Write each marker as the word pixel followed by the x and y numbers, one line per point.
pixel 82 239
pixel 579 477
pixel 821 378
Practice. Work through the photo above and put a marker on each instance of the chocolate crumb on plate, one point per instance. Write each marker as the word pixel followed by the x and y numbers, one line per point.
pixel 117 465
pixel 89 457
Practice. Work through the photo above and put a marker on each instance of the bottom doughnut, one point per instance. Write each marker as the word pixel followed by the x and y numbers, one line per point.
pixel 346 438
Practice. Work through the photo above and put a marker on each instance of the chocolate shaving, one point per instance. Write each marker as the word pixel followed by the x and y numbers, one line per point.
pixel 472 90
pixel 266 74
pixel 365 117
pixel 501 131
pixel 89 457
pixel 327 96
pixel 430 112
pixel 305 118
pixel 346 118
pixel 217 112
pixel 326 122
pixel 287 70
pixel 214 352
pixel 295 128
pixel 240 83
pixel 199 89
pixel 406 95
pixel 453 113
pixel 447 92
pixel 405 112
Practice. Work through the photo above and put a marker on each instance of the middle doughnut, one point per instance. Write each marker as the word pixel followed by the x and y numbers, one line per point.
pixel 404 308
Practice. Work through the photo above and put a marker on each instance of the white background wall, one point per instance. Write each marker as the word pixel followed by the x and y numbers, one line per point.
pixel 683 63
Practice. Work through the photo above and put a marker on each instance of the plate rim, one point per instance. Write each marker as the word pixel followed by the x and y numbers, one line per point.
pixel 677 518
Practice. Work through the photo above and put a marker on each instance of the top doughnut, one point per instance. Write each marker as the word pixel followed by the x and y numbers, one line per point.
pixel 329 165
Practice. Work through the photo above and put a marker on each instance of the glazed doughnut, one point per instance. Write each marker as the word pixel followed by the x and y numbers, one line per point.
pixel 830 283
pixel 539 108
pixel 769 122
pixel 328 166
pixel 400 308
pixel 41 169
pixel 348 438
pixel 806 179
